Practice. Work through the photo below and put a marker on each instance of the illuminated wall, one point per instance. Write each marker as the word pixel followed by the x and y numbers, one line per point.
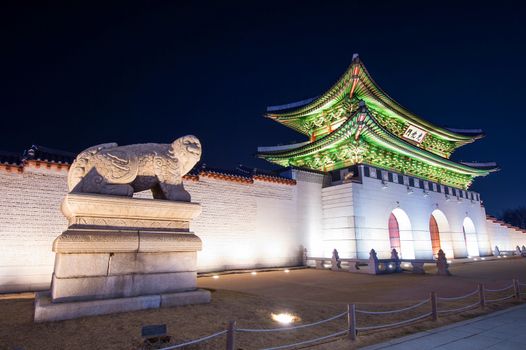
pixel 374 200
pixel 504 237
pixel 30 219
pixel 243 225
pixel 258 224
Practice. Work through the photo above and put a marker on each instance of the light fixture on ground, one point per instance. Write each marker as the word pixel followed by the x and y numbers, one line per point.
pixel 286 270
pixel 215 277
pixel 284 318
pixel 253 273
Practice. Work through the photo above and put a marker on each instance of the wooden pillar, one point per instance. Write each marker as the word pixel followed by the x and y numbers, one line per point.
pixel 351 321
pixel 482 299
pixel 231 336
pixel 517 289
pixel 434 308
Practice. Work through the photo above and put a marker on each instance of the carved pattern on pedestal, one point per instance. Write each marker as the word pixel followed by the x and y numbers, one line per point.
pixel 129 223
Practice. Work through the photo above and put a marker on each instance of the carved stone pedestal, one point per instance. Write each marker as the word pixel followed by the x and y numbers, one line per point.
pixel 121 254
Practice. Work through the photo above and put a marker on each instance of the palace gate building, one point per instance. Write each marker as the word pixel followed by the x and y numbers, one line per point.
pixel 391 181
pixel 371 174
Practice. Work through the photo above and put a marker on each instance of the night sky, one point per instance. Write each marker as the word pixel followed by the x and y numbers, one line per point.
pixel 77 75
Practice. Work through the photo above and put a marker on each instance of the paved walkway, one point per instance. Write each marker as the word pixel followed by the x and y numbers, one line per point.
pixel 504 329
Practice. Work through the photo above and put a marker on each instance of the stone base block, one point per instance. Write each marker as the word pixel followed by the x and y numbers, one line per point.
pixel 120 286
pixel 109 264
pixel 45 310
pixel 200 296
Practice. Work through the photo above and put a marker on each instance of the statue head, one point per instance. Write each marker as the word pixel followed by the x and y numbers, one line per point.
pixel 187 150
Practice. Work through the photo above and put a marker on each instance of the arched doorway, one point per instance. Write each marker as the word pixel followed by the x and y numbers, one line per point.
pixel 440 234
pixel 401 234
pixel 470 237
pixel 394 233
pixel 435 235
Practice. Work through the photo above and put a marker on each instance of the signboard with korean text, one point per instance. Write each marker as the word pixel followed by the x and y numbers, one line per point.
pixel 414 134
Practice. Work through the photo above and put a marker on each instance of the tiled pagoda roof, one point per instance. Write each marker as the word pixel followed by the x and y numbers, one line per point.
pixel 241 174
pixel 10 158
pixel 47 154
pixel 368 129
pixel 37 153
pixel 386 134
pixel 357 84
pixel 62 159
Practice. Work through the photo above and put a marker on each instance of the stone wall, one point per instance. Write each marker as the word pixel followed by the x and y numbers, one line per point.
pixel 506 238
pixel 30 219
pixel 356 216
pixel 338 220
pixel 244 224
pixel 254 222
pixel 374 202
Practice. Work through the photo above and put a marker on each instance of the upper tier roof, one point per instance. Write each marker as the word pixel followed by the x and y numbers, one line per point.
pixel 357 84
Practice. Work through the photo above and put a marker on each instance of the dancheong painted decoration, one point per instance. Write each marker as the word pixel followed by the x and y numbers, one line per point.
pixel 355 121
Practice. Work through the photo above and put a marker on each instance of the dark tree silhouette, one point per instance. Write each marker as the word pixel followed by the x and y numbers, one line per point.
pixel 515 217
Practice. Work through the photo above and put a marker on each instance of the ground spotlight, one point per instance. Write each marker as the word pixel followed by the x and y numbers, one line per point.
pixel 284 318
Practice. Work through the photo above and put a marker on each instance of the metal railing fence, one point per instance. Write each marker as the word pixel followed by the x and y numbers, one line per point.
pixel 352 327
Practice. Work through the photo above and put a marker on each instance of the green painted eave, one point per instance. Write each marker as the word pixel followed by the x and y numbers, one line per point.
pixel 372 132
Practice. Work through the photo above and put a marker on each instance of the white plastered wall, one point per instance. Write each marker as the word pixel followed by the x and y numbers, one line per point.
pixel 30 220
pixel 242 225
pixel 308 210
pixel 338 220
pixel 374 201
pixel 504 237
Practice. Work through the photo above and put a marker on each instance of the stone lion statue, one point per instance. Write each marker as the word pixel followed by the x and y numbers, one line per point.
pixel 122 170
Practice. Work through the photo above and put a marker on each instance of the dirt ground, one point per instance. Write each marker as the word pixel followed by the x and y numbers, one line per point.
pixel 310 294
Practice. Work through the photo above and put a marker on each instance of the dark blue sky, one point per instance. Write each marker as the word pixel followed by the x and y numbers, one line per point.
pixel 77 75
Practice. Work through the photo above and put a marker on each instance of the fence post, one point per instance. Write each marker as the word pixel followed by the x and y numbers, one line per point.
pixel 517 289
pixel 351 321
pixel 482 299
pixel 231 335
pixel 434 311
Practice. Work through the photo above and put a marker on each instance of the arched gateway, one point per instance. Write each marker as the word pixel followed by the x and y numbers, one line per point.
pixel 435 235
pixel 401 234
pixel 470 237
pixel 439 233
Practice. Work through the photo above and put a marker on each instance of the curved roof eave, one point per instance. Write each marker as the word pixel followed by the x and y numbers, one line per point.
pixel 404 112
pixel 389 140
pixel 340 88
